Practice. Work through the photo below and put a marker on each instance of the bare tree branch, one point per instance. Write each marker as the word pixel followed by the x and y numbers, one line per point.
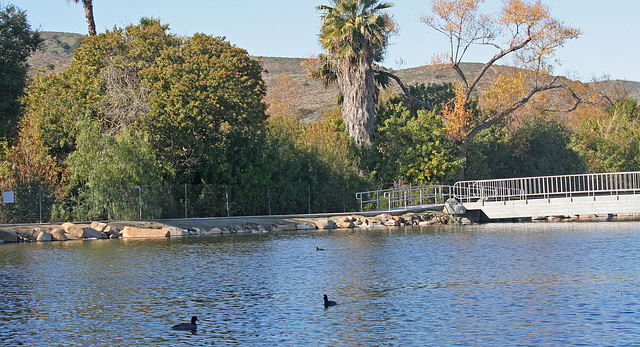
pixel 516 105
pixel 425 104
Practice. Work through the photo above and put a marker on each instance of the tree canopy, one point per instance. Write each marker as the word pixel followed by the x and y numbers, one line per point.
pixel 523 31
pixel 355 34
pixel 17 42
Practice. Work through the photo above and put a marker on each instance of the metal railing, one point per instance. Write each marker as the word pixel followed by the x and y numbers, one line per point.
pixel 403 197
pixel 546 187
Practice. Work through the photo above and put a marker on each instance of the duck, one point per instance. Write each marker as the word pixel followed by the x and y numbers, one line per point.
pixel 187 326
pixel 328 302
pixel 319 249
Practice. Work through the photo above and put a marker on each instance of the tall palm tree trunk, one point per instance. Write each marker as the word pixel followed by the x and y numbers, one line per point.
pixel 358 105
pixel 88 12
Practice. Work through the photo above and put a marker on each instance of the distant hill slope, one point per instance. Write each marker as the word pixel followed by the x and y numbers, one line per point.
pixel 55 54
pixel 312 99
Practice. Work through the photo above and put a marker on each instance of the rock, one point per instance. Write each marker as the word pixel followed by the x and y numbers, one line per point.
pixel 251 227
pixel 177 232
pixel 286 227
pixel 215 231
pixel 58 234
pixel 112 232
pixel 205 232
pixel 306 226
pixel 70 236
pixel 465 221
pixel 262 229
pixel 326 224
pixel 460 220
pixel 43 236
pixel 73 229
pixel 226 231
pixel 391 223
pixel 8 235
pixel 94 234
pixel 98 226
pixel 345 225
pixel 130 231
pixel 383 217
pixel 454 207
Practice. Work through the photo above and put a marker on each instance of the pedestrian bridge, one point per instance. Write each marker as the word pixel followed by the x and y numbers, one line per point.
pixel 525 197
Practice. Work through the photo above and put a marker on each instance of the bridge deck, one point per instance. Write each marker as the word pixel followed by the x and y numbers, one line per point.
pixel 604 193
pixel 598 205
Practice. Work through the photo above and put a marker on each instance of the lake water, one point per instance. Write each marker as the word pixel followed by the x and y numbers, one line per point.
pixel 535 284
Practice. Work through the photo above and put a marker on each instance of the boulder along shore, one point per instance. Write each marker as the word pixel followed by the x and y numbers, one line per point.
pixel 213 226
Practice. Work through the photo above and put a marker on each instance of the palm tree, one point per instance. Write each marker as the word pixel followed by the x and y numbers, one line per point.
pixel 355 33
pixel 88 12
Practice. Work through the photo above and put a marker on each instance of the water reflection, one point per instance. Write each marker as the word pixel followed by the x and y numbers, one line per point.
pixel 498 284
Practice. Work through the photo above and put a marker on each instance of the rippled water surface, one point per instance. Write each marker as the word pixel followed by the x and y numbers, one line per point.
pixel 548 284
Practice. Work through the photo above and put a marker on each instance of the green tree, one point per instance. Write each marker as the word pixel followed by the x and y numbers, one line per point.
pixel 101 84
pixel 17 43
pixel 312 165
pixel 525 31
pixel 195 103
pixel 411 144
pixel 206 100
pixel 540 146
pixel 611 142
pixel 355 33
pixel 106 168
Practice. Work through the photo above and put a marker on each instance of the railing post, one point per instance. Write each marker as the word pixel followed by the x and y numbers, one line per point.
pixel 226 195
pixel 40 201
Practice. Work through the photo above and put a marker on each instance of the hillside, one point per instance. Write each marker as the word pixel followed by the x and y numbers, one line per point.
pixel 311 99
pixel 55 54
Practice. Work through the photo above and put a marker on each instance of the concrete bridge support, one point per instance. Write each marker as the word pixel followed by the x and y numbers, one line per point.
pixel 557 206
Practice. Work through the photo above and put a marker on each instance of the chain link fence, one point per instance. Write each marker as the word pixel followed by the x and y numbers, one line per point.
pixel 42 204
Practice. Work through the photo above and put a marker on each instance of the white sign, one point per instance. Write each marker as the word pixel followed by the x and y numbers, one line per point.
pixel 8 198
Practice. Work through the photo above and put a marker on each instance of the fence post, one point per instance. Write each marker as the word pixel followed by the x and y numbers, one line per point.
pixel 185 200
pixel 226 193
pixel 309 190
pixel 269 199
pixel 139 188
pixel 40 201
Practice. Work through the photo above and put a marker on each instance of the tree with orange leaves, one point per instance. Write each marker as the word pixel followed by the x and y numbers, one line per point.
pixel 523 31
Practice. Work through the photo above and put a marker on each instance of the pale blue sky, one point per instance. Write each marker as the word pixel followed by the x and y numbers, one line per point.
pixel 289 28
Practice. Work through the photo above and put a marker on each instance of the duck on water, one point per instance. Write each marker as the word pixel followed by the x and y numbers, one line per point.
pixel 187 326
pixel 328 302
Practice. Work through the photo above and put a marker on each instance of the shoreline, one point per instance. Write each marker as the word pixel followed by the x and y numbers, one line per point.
pixel 184 227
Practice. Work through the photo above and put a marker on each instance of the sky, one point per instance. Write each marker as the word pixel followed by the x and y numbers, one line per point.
pixel 609 46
